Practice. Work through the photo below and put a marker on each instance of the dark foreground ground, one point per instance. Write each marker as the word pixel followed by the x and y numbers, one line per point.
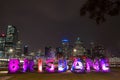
pixel 113 75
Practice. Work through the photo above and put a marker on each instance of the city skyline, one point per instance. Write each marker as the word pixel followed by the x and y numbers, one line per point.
pixel 47 22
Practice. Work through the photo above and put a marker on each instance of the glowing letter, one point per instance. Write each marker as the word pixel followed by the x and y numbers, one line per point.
pixel 28 65
pixel 88 64
pixel 77 66
pixel 13 65
pixel 31 65
pixel 39 65
pixel 104 65
pixel 25 65
pixel 50 66
pixel 94 64
pixel 62 65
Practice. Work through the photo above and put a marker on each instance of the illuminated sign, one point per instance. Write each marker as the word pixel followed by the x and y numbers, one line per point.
pixel 99 65
pixel 28 65
pixel 77 66
pixel 13 65
pixel 39 65
pixel 62 65
pixel 50 65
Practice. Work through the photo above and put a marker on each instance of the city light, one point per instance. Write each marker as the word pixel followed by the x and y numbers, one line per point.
pixel 74 50
pixel 11 50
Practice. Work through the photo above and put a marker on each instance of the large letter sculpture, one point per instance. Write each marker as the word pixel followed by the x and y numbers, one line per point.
pixel 88 64
pixel 50 66
pixel 28 65
pixel 96 65
pixel 39 65
pixel 62 65
pixel 13 66
pixel 77 66
pixel 31 65
pixel 92 64
pixel 104 65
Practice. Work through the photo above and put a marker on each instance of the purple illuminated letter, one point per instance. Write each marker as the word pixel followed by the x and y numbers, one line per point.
pixel 31 65
pixel 77 66
pixel 50 66
pixel 62 65
pixel 104 65
pixel 94 64
pixel 13 66
pixel 25 65
pixel 28 65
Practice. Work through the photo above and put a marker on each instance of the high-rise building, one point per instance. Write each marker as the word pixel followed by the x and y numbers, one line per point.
pixel 79 49
pixel 11 36
pixel 25 49
pixel 47 50
pixel 59 52
pixel 18 48
pixel 2 44
pixel 50 52
pixel 99 51
pixel 66 48
pixel 11 40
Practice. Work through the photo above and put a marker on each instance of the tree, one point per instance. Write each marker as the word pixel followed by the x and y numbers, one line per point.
pixel 97 9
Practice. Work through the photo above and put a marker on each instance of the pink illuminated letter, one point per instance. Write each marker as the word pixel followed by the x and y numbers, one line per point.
pixel 50 66
pixel 13 65
pixel 39 65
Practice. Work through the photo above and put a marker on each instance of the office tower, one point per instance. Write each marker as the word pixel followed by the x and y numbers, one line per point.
pixel 2 44
pixel 78 49
pixel 10 41
pixel 11 36
pixel 66 48
pixel 59 52
pixel 50 52
pixel 99 51
pixel 19 48
pixel 47 51
pixel 25 49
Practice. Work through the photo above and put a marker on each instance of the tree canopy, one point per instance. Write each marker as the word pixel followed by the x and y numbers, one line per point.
pixel 98 9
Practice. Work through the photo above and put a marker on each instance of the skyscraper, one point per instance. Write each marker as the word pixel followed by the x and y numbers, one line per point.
pixel 2 44
pixel 11 36
pixel 50 52
pixel 18 48
pixel 59 52
pixel 11 40
pixel 66 48
pixel 25 49
pixel 78 49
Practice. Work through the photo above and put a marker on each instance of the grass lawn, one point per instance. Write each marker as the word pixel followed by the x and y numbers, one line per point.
pixel 113 75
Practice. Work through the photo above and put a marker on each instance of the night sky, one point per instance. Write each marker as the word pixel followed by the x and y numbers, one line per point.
pixel 47 22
